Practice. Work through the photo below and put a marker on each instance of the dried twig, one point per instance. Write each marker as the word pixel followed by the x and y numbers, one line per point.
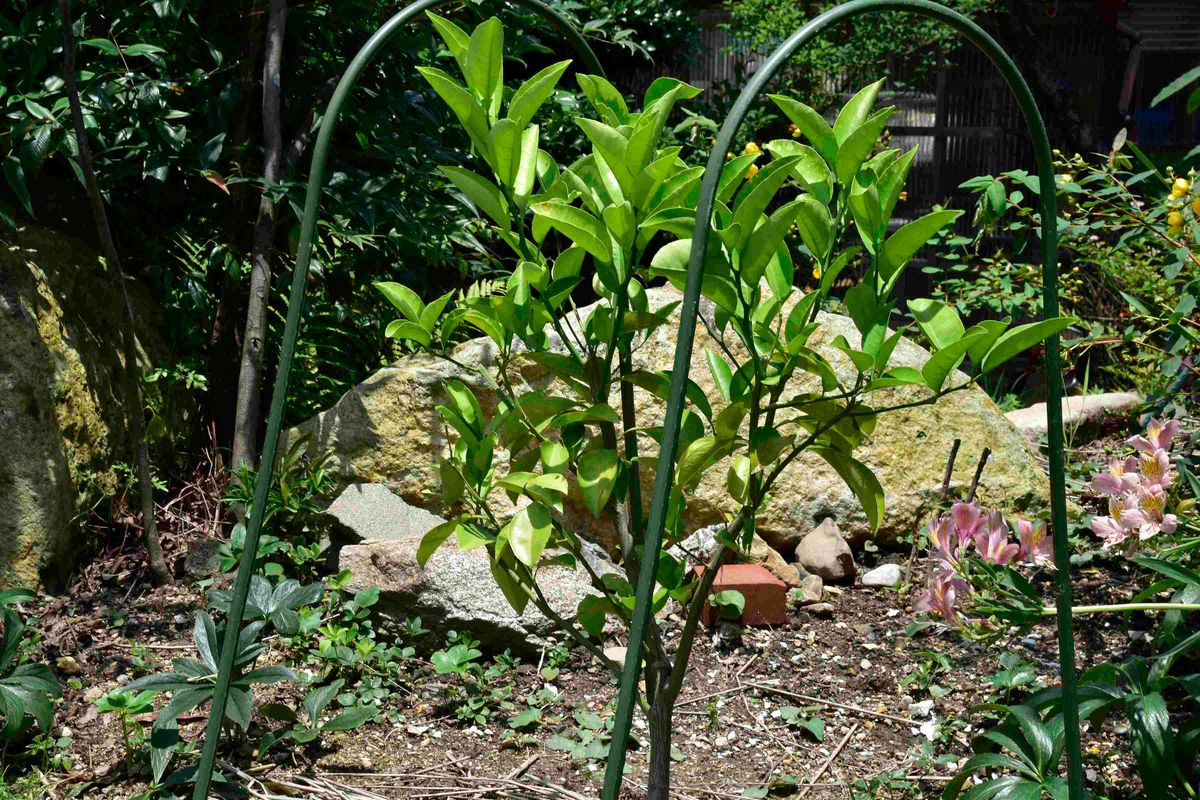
pixel 821 771
pixel 983 459
pixel 832 704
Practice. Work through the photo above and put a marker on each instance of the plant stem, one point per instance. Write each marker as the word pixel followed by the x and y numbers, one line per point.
pixel 1119 608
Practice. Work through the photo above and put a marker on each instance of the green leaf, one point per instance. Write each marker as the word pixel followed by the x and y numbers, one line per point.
pixel 854 150
pixel 485 64
pixel 456 39
pixel 352 718
pixel 1021 338
pixel 860 479
pixel 810 171
pixel 611 146
pixel 597 475
pixel 757 196
pixel 816 226
pixel 938 321
pixel 767 238
pixel 402 329
pixel 14 174
pixel 811 124
pixel 432 540
pixel 533 93
pixel 512 589
pixel 946 359
pixel 1179 84
pixel 464 105
pixel 856 111
pixel 721 373
pixel 579 226
pixel 482 192
pixel 529 533
pixel 902 245
pixel 406 301
pixel 729 604
pixel 104 45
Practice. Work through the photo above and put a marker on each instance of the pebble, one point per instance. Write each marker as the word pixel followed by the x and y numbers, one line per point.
pixel 67 665
pixel 820 609
pixel 920 710
pixel 885 576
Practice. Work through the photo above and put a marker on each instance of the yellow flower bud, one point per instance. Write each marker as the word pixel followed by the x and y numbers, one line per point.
pixel 750 173
pixel 752 148
pixel 1175 219
pixel 1180 187
pixel 1196 206
pixel 817 271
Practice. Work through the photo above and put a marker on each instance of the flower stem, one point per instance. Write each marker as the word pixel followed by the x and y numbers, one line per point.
pixel 1048 611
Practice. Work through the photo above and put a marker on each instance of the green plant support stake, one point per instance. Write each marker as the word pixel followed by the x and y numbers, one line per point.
pixel 312 202
pixel 687 329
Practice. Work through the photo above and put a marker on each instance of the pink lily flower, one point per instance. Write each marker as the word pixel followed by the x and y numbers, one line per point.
pixel 939 598
pixel 1158 436
pixel 1121 477
pixel 1111 531
pixel 1148 514
pixel 944 542
pixel 1036 546
pixel 1156 470
pixel 967 521
pixel 994 546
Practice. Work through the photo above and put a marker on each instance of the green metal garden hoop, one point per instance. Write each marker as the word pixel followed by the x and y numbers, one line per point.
pixel 312 203
pixel 687 328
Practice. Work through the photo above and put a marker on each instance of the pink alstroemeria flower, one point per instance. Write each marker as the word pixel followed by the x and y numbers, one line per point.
pixel 1155 469
pixel 967 521
pixel 1036 546
pixel 943 542
pixel 939 598
pixel 1121 477
pixel 994 546
pixel 1148 515
pixel 1110 530
pixel 1158 436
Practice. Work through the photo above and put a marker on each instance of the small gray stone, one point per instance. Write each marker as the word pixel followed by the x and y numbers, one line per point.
pixel 455 590
pixel 888 576
pixel 371 511
pixel 920 710
pixel 820 609
pixel 823 551
pixel 811 589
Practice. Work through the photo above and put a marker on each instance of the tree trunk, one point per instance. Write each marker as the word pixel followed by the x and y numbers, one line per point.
pixel 658 787
pixel 133 392
pixel 245 429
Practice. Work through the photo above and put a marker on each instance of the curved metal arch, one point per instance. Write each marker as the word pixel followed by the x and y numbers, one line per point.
pixel 687 329
pixel 312 203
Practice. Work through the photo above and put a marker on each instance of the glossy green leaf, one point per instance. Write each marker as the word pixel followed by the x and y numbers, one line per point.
pixel 597 474
pixel 938 321
pixel 529 533
pixel 579 226
pixel 485 64
pixel 860 479
pixel 533 93
pixel 464 105
pixel 1021 338
pixel 811 124
pixel 482 192
pixel 856 111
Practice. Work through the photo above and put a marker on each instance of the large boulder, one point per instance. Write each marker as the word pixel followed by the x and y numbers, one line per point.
pixel 455 589
pixel 386 430
pixel 61 400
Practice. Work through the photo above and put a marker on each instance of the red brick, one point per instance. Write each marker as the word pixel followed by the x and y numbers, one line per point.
pixel 766 595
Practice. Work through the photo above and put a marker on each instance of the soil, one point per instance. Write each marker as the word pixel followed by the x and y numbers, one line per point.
pixel 850 659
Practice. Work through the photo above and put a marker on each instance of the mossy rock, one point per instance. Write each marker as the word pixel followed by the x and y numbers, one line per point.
pixel 62 407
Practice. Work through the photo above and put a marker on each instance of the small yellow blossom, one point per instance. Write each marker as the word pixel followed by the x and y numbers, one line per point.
pixel 1180 187
pixel 750 173
pixel 1175 219
pixel 752 148
pixel 817 271
pixel 1196 206
pixel 903 196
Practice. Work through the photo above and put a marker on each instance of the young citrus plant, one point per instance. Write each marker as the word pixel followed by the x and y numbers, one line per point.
pixel 610 225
